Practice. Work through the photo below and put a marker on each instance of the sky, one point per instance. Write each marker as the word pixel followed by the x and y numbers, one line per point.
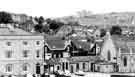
pixel 60 8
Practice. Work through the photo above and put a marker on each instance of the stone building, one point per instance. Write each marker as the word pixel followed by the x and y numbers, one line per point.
pixel 126 53
pixel 21 52
pixel 57 51
pixel 119 50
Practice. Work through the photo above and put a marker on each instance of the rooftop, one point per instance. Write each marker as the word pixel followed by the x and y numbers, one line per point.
pixel 57 44
pixel 9 30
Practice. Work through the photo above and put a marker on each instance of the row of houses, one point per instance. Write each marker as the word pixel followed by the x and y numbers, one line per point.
pixel 31 53
pixel 115 53
pixel 23 52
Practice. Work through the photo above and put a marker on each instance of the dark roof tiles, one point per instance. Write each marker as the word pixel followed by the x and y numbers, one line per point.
pixel 57 44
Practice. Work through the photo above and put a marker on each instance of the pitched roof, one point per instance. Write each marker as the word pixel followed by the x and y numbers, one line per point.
pixel 124 42
pixel 80 44
pixel 57 44
pixel 16 31
pixel 10 30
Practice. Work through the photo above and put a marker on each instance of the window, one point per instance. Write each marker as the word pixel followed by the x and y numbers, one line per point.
pixel 63 66
pixel 38 53
pixel 25 53
pixel 25 42
pixel 38 42
pixel 66 65
pixel 58 67
pixel 46 50
pixel 8 67
pixel 38 68
pixel 25 67
pixel 54 55
pixel 9 43
pixel 77 66
pixel 68 48
pixel 109 56
pixel 8 54
pixel 83 65
pixel 125 61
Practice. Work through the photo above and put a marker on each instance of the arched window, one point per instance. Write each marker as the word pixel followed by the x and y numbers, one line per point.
pixel 125 61
pixel 109 55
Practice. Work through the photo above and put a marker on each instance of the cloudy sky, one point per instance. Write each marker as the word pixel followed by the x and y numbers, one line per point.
pixel 58 8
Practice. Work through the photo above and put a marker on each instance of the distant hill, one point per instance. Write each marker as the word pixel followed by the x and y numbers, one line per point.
pixel 83 19
pixel 121 18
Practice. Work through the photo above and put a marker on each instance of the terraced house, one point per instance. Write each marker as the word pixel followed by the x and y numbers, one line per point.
pixel 83 55
pixel 21 52
pixel 57 51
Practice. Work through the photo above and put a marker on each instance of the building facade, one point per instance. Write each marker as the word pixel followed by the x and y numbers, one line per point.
pixel 119 51
pixel 57 51
pixel 21 52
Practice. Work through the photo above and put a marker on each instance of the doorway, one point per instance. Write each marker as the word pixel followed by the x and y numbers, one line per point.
pixel 72 69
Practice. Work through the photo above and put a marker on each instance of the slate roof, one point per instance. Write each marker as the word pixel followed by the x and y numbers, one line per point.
pixel 9 30
pixel 124 42
pixel 79 44
pixel 57 44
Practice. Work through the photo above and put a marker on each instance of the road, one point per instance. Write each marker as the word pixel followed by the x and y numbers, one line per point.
pixel 90 74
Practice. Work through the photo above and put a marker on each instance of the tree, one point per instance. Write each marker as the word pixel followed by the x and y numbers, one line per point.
pixel 5 18
pixel 38 28
pixel 116 30
pixel 53 24
pixel 41 20
pixel 45 28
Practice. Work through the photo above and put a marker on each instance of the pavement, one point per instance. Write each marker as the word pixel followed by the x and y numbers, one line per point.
pixel 94 74
pixel 90 74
